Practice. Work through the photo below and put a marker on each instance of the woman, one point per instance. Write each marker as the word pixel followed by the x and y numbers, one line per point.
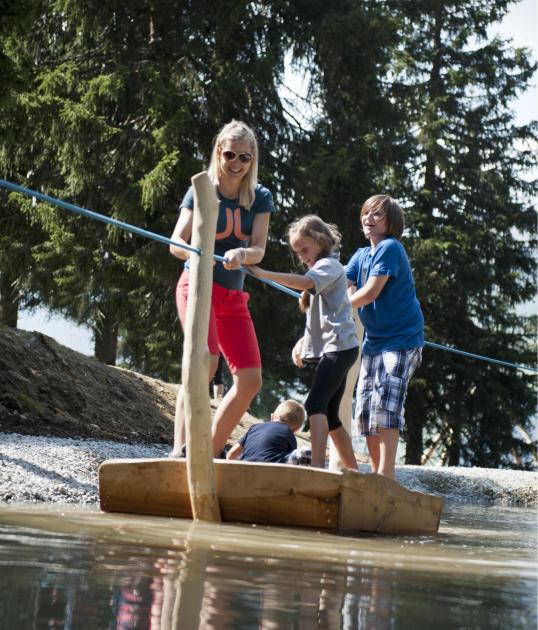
pixel 242 227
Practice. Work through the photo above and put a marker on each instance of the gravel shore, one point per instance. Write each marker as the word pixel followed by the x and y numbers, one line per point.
pixel 64 470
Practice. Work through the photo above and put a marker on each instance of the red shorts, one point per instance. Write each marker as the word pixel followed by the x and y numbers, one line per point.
pixel 231 330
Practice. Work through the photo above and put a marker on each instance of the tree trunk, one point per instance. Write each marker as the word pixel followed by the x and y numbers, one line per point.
pixel 106 339
pixel 453 450
pixel 9 300
pixel 428 201
pixel 414 445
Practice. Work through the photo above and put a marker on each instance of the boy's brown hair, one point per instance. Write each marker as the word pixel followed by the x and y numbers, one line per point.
pixel 291 413
pixel 391 209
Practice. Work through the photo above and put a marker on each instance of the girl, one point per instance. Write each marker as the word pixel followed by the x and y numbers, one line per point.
pixel 383 289
pixel 330 334
pixel 244 210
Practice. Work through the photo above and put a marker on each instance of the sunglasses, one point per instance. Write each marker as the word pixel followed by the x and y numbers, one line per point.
pixel 230 156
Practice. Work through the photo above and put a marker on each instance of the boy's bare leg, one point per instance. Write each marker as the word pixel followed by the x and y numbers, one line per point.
pixel 372 441
pixel 382 449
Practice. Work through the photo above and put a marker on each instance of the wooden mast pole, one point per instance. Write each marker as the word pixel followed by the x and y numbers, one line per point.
pixel 346 404
pixel 195 364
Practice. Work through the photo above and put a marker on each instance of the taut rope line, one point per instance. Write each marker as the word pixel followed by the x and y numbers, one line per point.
pixel 163 239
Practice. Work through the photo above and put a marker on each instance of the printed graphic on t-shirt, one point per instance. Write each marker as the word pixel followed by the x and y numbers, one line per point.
pixel 233 225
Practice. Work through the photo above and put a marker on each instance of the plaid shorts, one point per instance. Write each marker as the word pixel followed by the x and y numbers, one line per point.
pixel 382 389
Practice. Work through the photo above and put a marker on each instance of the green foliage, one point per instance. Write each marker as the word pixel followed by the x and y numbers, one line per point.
pixel 113 106
pixel 471 237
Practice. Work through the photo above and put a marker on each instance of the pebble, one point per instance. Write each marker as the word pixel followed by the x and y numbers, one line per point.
pixel 64 470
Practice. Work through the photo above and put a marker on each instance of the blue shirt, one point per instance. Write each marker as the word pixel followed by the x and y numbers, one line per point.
pixel 234 229
pixel 268 442
pixel 394 320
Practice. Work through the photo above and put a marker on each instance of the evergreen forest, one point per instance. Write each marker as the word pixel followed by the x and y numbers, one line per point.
pixel 113 106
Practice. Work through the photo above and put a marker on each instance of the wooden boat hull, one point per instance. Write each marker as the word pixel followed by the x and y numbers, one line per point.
pixel 272 494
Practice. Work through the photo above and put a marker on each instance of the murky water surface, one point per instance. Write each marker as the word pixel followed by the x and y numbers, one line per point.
pixel 84 569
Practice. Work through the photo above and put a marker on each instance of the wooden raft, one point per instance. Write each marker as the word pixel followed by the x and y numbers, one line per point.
pixel 272 494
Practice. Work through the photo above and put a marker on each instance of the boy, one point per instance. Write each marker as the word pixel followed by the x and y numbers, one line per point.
pixel 274 441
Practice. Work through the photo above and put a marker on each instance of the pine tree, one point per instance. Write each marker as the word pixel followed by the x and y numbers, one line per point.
pixel 124 104
pixel 95 106
pixel 470 228
pixel 346 149
pixel 18 231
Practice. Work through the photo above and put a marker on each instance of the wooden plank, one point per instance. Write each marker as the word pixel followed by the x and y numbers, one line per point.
pixel 277 494
pixel 272 494
pixel 156 487
pixel 373 503
pixel 195 363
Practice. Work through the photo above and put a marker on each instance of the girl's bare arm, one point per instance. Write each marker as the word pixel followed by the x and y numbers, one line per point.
pixel 291 280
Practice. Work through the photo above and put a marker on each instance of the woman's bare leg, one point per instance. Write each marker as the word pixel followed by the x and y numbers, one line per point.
pixel 179 417
pixel 246 384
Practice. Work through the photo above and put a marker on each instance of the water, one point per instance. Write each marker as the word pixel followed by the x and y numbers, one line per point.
pixel 83 569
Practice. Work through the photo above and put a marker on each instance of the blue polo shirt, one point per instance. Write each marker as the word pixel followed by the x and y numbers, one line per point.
pixel 268 442
pixel 394 320
pixel 234 229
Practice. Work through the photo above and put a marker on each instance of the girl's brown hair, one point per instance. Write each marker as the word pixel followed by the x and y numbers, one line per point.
pixel 391 209
pixel 326 235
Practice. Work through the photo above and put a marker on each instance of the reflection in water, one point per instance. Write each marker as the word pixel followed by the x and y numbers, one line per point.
pixel 89 570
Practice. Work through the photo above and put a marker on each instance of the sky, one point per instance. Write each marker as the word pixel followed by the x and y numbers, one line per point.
pixel 520 25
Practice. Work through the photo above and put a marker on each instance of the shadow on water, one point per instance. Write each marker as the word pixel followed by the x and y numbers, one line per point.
pixel 67 568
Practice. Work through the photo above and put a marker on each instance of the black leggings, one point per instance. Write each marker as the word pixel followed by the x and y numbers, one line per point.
pixel 329 385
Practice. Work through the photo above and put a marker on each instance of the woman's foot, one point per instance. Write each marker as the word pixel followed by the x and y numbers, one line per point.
pixel 178 454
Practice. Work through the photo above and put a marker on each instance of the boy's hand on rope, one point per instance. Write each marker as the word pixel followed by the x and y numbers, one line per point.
pixel 296 353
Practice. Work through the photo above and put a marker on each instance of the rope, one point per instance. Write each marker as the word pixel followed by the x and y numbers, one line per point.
pixel 438 346
pixel 479 356
pixel 96 216
pixel 163 239
pixel 127 226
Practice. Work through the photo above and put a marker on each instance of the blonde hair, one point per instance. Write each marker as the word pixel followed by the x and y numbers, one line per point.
pixel 391 209
pixel 326 235
pixel 291 413
pixel 236 130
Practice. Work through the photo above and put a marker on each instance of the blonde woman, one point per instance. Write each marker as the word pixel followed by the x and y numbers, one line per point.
pixel 245 207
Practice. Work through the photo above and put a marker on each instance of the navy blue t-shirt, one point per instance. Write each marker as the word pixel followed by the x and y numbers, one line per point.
pixel 268 442
pixel 234 229
pixel 393 321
